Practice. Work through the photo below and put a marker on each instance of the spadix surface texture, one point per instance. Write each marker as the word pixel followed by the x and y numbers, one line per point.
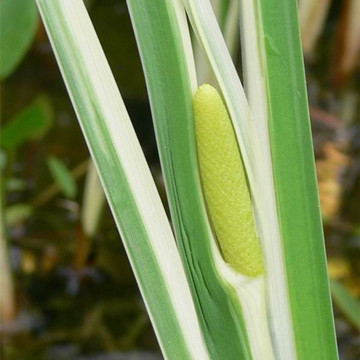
pixel 225 186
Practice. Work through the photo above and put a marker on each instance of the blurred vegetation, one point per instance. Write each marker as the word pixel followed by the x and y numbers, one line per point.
pixel 67 290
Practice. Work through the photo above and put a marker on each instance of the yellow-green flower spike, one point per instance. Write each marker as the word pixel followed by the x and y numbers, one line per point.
pixel 224 184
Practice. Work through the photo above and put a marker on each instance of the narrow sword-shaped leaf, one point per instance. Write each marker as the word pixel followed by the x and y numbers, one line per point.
pixel 295 180
pixel 283 305
pixel 162 35
pixel 230 29
pixel 255 86
pixel 126 178
pixel 258 168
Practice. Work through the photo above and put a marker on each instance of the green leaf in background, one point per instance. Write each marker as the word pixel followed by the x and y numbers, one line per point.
pixel 347 304
pixel 17 213
pixel 3 160
pixel 15 184
pixel 30 124
pixel 93 201
pixel 62 176
pixel 18 23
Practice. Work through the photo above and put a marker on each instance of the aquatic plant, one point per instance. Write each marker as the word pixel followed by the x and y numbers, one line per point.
pixel 244 274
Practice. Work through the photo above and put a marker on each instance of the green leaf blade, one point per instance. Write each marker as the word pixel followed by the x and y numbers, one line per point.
pixel 126 178
pixel 62 176
pixel 295 183
pixel 171 83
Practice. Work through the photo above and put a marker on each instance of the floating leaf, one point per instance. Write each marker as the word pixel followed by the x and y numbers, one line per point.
pixel 18 23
